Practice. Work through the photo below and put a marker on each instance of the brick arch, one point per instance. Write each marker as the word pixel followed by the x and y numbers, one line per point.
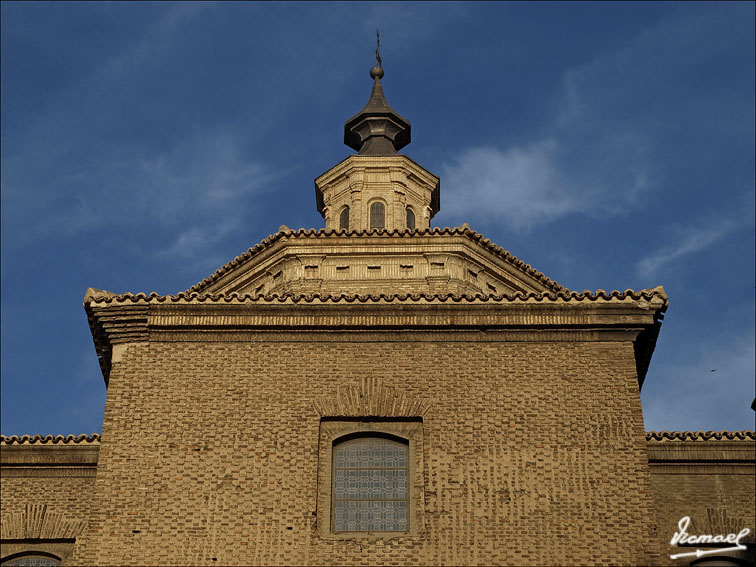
pixel 35 521
pixel 370 397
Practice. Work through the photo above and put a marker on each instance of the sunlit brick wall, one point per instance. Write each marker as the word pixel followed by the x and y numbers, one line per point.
pixel 46 492
pixel 533 452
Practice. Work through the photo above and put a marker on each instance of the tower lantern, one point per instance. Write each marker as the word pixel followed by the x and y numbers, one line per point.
pixel 377 188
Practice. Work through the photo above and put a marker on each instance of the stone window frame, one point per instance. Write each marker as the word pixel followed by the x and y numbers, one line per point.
pixel 333 429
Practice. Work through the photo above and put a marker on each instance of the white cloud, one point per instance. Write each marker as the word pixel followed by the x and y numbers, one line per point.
pixel 688 239
pixel 608 144
pixel 193 242
pixel 204 183
pixel 528 186
pixel 587 166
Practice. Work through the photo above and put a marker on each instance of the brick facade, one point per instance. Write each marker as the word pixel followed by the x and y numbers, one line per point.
pixel 712 481
pixel 46 487
pixel 211 452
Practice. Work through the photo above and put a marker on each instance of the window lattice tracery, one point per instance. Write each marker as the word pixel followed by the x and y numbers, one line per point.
pixel 371 485
pixel 377 216
pixel 31 560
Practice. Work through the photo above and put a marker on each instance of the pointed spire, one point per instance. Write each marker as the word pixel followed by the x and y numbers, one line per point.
pixel 377 129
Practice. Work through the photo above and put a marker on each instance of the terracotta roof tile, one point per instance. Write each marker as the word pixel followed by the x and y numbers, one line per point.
pixel 745 435
pixel 54 439
pixel 323 233
pixel 560 296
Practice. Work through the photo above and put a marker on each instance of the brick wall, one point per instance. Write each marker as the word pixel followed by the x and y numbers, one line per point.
pixel 711 481
pixel 46 492
pixel 68 496
pixel 533 452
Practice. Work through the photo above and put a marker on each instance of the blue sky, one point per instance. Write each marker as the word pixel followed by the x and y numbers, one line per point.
pixel 610 145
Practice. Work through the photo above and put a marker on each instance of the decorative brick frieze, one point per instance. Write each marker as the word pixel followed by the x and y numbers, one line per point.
pixel 252 269
pixel 35 521
pixel 369 397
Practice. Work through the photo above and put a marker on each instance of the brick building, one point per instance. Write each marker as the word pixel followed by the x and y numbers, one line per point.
pixel 375 392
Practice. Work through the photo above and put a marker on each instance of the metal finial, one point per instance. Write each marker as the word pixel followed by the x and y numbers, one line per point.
pixel 377 71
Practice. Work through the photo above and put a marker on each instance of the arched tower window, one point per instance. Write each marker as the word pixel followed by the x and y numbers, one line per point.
pixel 344 219
pixel 377 215
pixel 410 218
pixel 370 484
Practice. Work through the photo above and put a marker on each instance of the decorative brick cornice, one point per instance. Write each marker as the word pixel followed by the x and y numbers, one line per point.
pixel 130 318
pixel 662 436
pixel 126 323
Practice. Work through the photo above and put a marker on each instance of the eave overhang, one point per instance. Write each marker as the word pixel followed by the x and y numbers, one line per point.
pixel 128 318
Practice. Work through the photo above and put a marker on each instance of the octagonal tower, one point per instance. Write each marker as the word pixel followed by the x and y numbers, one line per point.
pixel 377 188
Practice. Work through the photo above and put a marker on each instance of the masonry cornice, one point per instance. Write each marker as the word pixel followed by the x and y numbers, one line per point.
pixel 138 318
pixel 701 452
pixel 28 456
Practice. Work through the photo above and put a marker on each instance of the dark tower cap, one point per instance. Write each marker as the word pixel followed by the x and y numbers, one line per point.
pixel 377 129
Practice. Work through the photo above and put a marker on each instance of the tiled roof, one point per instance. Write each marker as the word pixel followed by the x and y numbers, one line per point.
pixel 701 435
pixel 54 439
pixel 560 296
pixel 650 436
pixel 323 233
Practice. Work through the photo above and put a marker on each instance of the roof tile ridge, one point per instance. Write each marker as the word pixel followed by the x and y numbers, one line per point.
pixel 617 294
pixel 243 257
pixel 551 296
pixel 507 255
pixel 45 439
pixel 724 435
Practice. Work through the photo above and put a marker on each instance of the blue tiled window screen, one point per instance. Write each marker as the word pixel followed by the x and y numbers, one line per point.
pixel 32 561
pixel 370 486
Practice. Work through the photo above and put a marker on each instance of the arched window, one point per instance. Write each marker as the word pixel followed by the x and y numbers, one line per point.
pixel 377 215
pixel 370 484
pixel 410 218
pixel 344 219
pixel 31 559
